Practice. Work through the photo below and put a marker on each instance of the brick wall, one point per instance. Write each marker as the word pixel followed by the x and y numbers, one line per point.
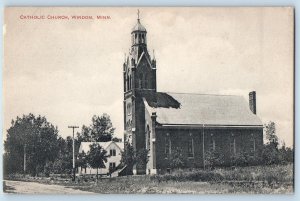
pixel 222 137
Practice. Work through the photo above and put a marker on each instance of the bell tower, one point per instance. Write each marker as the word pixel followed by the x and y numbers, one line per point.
pixel 139 77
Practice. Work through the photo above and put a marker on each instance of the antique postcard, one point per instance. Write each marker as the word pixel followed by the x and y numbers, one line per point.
pixel 140 100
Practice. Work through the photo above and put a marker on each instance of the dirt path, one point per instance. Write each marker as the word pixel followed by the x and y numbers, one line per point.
pixel 38 188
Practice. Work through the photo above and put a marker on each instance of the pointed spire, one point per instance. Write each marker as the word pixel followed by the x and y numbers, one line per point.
pixel 138 26
pixel 125 57
pixel 153 55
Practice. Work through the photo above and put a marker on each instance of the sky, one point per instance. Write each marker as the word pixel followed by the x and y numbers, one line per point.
pixel 70 70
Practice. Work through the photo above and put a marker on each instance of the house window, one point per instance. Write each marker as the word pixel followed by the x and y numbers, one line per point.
pixel 112 166
pixel 212 144
pixel 232 145
pixel 191 147
pixel 167 145
pixel 112 152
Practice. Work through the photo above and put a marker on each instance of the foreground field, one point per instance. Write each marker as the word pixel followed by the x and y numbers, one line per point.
pixel 22 187
pixel 255 180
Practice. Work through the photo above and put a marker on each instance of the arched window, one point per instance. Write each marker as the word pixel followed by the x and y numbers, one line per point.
pixel 129 109
pixel 232 145
pixel 144 81
pixel 252 145
pixel 212 144
pixel 168 145
pixel 143 39
pixel 191 146
pixel 140 80
pixel 148 138
pixel 127 82
pixel 127 125
pixel 130 82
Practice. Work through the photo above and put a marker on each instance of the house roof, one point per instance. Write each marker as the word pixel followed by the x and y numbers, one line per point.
pixel 195 109
pixel 85 146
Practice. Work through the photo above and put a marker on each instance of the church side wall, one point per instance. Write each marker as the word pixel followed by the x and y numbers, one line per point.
pixel 149 143
pixel 221 139
pixel 139 130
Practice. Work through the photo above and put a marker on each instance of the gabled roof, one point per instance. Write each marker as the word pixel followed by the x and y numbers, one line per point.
pixel 199 109
pixel 146 55
pixel 85 146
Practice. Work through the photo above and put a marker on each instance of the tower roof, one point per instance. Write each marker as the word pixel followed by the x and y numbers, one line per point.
pixel 138 26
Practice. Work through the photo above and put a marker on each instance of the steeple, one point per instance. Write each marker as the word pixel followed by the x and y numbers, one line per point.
pixel 138 32
pixel 139 74
pixel 139 68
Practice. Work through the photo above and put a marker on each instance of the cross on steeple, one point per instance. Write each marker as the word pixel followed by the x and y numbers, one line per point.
pixel 138 14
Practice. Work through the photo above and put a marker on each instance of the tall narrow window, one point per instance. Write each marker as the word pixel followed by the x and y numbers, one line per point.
pixel 252 145
pixel 130 82
pixel 142 38
pixel 212 144
pixel 140 80
pixel 129 109
pixel 191 146
pixel 148 138
pixel 232 145
pixel 127 81
pixel 167 145
pixel 143 80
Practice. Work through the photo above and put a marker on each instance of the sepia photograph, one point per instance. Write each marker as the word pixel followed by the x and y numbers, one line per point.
pixel 148 100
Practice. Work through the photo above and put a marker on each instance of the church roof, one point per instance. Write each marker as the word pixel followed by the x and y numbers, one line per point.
pixel 198 109
pixel 138 27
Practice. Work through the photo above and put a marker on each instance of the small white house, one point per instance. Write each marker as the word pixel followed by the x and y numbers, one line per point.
pixel 113 149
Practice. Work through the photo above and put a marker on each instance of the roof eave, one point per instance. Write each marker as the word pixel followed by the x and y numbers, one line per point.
pixel 207 126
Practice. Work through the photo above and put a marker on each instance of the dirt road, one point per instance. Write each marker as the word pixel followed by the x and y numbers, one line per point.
pixel 21 187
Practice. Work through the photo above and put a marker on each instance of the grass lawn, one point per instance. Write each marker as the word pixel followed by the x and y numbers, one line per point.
pixel 239 180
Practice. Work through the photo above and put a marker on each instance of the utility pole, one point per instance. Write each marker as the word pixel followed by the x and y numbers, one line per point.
pixel 24 159
pixel 73 128
pixel 203 148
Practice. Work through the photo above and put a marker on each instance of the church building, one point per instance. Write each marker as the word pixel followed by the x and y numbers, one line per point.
pixel 192 124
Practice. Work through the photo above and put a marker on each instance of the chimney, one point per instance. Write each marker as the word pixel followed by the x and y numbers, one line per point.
pixel 252 101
